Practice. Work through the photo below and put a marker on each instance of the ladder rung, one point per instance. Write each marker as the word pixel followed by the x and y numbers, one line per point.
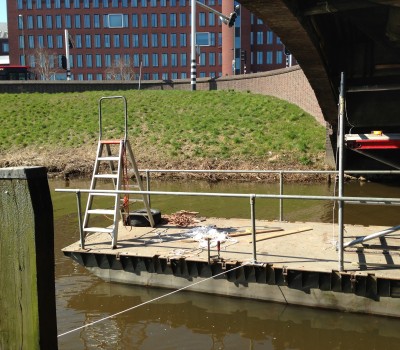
pixel 133 200
pixel 109 158
pixel 98 229
pixel 106 176
pixel 104 194
pixel 111 142
pixel 101 211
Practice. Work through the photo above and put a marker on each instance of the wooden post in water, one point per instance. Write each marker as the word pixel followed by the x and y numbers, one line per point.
pixel 27 290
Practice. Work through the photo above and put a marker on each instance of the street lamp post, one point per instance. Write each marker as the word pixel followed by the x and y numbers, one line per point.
pixel 21 18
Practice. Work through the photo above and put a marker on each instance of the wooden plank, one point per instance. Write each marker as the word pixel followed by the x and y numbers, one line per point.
pixel 285 233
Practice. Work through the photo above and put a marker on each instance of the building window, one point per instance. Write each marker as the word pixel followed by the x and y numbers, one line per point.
pixel 96 21
pixel 154 20
pixel 39 22
pixel 182 3
pixel 154 40
pixel 86 21
pixel 163 20
pixel 88 41
pixel 259 57
pixel 49 22
pixel 135 40
pixel 58 22
pixel 68 22
pixel 278 40
pixel 202 59
pixel 96 4
pixel 183 60
pixel 79 61
pixel 50 42
pixel 136 60
pixel 163 3
pixel 48 4
pixel 135 22
pixel 164 40
pixel 98 61
pixel 107 60
pixel 115 21
pixel 133 3
pixel 86 4
pixel 107 40
pixel 172 3
pixel 211 59
pixel 67 4
pixel 144 20
pixel 38 4
pixel 202 19
pixel 105 4
pixel 173 40
pixel 172 20
pixel 114 3
pixel 182 39
pixel 145 40
pixel 99 76
pixel 40 39
pixel 116 40
pixel 126 40
pixel 78 41
pixel 97 41
pixel 145 60
pixel 29 20
pixel 31 42
pixel 90 76
pixel 144 3
pixel 164 76
pixel 259 38
pixel 89 61
pixel 76 4
pixel 60 41
pixel 270 37
pixel 174 75
pixel 77 21
pixel 182 19
pixel 269 57
pixel 154 59
pixel 164 60
pixel 183 75
pixel 155 76
pixel 211 19
pixel 279 57
pixel 174 60
pixel 153 3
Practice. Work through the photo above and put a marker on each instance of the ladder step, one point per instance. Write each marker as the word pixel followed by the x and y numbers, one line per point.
pixel 133 200
pixel 104 194
pixel 98 229
pixel 110 142
pixel 101 211
pixel 106 176
pixel 110 158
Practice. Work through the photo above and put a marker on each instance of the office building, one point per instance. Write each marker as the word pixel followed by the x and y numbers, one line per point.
pixel 125 39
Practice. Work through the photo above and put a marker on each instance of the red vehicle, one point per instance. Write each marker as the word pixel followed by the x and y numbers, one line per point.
pixel 15 73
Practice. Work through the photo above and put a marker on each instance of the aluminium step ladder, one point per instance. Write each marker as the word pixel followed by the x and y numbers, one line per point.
pixel 112 160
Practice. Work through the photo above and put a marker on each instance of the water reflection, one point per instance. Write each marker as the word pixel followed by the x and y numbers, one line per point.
pixel 196 321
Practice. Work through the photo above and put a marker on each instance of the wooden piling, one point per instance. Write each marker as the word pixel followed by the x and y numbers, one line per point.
pixel 27 284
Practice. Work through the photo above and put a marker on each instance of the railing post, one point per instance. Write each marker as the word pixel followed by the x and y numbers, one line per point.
pixel 341 172
pixel 281 199
pixel 253 225
pixel 148 186
pixel 81 234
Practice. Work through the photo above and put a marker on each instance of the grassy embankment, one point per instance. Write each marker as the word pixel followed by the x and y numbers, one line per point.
pixel 218 129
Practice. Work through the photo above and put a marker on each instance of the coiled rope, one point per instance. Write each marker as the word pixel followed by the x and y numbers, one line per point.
pixel 150 301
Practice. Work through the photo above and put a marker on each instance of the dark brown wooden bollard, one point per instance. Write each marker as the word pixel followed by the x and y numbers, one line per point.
pixel 27 284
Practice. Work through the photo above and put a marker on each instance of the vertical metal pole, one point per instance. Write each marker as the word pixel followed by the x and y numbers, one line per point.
pixel 67 54
pixel 193 47
pixel 78 200
pixel 253 225
pixel 341 170
pixel 148 186
pixel 281 199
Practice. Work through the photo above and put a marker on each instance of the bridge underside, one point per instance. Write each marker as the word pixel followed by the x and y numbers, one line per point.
pixel 358 37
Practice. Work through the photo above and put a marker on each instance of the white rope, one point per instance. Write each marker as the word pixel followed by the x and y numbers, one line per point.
pixel 149 301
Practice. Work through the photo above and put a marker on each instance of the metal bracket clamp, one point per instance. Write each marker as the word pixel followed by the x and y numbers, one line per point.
pixel 285 273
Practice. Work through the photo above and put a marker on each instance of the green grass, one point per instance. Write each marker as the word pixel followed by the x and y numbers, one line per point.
pixel 179 124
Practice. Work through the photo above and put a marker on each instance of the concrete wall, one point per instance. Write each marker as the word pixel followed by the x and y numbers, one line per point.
pixel 289 84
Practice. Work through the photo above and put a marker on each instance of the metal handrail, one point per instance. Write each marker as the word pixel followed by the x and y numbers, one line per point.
pixel 252 197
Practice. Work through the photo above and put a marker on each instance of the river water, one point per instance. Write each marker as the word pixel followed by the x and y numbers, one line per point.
pixel 188 320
